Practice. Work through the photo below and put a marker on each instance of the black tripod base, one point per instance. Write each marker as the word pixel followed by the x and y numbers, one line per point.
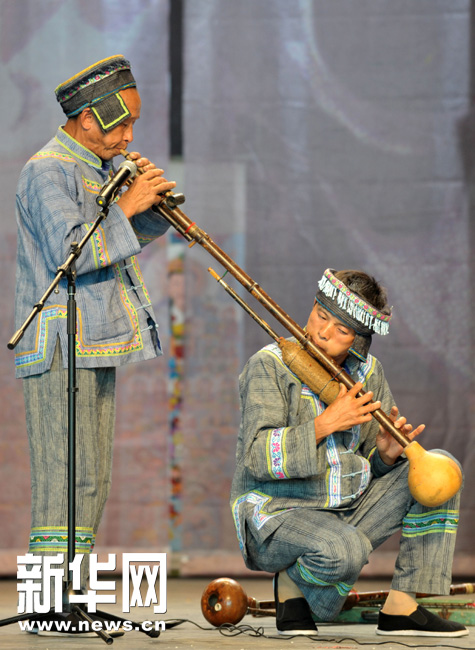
pixel 71 622
pixel 130 625
pixel 78 614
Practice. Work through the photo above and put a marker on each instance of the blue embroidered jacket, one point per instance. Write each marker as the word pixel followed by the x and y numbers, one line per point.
pixel 279 466
pixel 55 205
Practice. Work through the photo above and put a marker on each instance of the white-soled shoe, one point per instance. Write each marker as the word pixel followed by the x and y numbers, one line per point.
pixel 420 623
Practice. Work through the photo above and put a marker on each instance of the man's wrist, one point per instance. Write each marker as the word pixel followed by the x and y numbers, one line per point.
pixel 321 429
pixel 387 460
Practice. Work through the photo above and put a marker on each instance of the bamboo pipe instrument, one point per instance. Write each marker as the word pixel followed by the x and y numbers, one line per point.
pixel 433 478
pixel 300 362
pixel 225 601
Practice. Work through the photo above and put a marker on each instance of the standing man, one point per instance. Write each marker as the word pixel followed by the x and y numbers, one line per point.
pixel 56 205
pixel 317 488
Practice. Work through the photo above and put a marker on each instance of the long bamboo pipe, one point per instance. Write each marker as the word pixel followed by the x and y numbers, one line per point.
pixel 225 601
pixel 433 478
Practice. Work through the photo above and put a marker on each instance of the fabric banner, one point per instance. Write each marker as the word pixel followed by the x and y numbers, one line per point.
pixel 316 134
pixel 348 122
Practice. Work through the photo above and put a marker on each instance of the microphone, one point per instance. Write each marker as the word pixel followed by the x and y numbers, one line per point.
pixel 108 192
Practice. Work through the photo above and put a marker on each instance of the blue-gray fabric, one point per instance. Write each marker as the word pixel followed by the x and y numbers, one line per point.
pixel 324 551
pixel 46 406
pixel 115 325
pixel 278 466
pixel 55 206
pixel 318 510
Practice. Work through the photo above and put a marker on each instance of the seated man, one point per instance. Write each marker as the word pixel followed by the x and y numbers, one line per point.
pixel 317 487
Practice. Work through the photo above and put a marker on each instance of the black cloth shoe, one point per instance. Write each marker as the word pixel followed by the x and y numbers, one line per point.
pixel 293 616
pixel 419 623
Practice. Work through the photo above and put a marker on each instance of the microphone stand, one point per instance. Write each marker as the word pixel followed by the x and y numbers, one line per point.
pixel 68 269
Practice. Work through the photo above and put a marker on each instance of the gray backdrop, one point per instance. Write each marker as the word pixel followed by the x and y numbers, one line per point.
pixel 324 133
pixel 343 130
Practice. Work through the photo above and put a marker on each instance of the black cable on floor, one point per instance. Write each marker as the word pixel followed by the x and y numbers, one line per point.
pixel 235 630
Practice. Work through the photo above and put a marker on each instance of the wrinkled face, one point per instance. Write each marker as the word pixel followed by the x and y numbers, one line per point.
pixel 108 145
pixel 329 333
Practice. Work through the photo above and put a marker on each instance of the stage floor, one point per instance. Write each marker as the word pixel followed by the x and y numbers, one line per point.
pixel 183 600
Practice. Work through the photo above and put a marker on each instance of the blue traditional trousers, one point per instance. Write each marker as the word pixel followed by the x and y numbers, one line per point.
pixel 324 551
pixel 46 404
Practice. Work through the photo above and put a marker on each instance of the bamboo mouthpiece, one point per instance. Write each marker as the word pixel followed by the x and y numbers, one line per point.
pixel 309 371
